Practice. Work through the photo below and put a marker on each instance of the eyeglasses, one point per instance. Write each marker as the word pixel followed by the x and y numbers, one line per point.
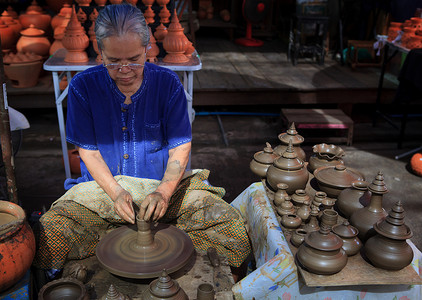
pixel 121 66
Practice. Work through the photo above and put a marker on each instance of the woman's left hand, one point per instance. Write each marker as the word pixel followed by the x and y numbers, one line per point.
pixel 153 207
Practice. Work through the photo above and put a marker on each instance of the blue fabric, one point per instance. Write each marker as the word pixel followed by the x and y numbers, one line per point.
pixel 156 121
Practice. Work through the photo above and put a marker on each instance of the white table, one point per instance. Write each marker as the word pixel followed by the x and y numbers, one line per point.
pixel 59 68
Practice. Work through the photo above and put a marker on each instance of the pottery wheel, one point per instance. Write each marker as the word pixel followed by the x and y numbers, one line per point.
pixel 144 250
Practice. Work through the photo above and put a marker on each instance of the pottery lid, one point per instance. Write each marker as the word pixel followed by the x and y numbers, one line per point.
pixel 291 135
pixel 329 152
pixel 338 176
pixel 393 225
pixel 289 160
pixel 345 230
pixel 265 157
pixel 164 286
pixel 32 31
pixel 323 240
pixel 378 186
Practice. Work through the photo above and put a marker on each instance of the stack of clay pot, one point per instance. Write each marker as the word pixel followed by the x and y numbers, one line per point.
pixel 23 69
pixel 33 40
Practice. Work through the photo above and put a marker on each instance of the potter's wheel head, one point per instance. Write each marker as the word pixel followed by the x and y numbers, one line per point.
pixel 121 253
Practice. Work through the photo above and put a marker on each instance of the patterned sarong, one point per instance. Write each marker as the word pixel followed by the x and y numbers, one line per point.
pixel 76 222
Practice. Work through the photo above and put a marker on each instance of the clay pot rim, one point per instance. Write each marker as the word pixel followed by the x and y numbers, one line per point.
pixel 341 168
pixel 330 243
pixel 15 210
pixel 58 282
pixel 328 151
pixel 379 230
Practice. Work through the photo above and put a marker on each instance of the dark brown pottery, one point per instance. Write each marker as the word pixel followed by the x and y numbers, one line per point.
pixel 319 198
pixel 114 294
pixel 288 169
pixel 327 203
pixel 296 139
pixel 262 160
pixel 364 218
pixel 291 221
pixel 321 253
pixel 304 211
pixel 348 233
pixel 298 236
pixel 388 249
pixel 325 155
pixel 353 198
pixel 334 179
pixel 64 288
pixel 281 194
pixel 164 288
pixel 329 218
pixel 313 224
pixel 299 198
pixel 286 207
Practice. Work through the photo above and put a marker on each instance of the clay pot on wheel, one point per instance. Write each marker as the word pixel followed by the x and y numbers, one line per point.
pixel 17 244
pixel 325 155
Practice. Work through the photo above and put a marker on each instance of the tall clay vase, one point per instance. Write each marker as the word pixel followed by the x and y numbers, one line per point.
pixel 353 198
pixel 33 40
pixel 17 244
pixel 75 41
pixel 153 49
pixel 288 169
pixel 291 135
pixel 388 249
pixel 175 42
pixel 262 160
pixel 364 218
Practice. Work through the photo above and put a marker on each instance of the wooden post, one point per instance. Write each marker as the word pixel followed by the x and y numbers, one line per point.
pixel 5 138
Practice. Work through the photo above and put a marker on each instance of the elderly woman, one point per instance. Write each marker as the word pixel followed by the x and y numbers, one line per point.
pixel 129 120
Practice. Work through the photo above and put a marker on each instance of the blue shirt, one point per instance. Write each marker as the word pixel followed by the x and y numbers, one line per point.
pixel 133 139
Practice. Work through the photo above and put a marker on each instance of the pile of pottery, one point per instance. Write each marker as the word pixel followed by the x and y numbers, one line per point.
pixel 408 34
pixel 22 68
pixel 328 208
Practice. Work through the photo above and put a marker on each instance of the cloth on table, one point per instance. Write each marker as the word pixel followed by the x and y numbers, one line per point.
pixel 76 222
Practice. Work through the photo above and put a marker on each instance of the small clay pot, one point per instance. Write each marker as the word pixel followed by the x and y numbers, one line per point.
pixel 353 198
pixel 300 197
pixel 348 233
pixel 262 160
pixel 329 218
pixel 304 211
pixel 325 155
pixel 313 224
pixel 298 236
pixel 281 194
pixel 291 221
pixel 64 288
pixel 286 208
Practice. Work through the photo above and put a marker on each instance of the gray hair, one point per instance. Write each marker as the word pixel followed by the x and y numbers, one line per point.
pixel 119 19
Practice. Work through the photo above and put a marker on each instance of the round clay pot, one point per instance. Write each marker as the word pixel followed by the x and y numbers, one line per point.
pixel 74 161
pixel 321 253
pixel 262 160
pixel 325 155
pixel 281 194
pixel 334 179
pixel 355 197
pixel 291 135
pixel 291 221
pixel 300 197
pixel 298 236
pixel 64 288
pixel 286 208
pixel 39 20
pixel 17 244
pixel 33 40
pixel 288 169
pixel 101 2
pixel 18 66
pixel 83 2
pixel 348 233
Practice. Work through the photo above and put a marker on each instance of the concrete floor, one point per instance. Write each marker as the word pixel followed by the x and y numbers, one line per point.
pixel 40 172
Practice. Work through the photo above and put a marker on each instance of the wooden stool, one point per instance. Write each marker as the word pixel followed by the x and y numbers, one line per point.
pixel 353 47
pixel 321 119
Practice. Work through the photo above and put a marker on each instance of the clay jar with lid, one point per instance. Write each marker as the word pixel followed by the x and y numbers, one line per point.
pixel 364 218
pixel 291 135
pixel 17 244
pixel 13 24
pixel 262 160
pixel 75 40
pixel 322 253
pixel 38 19
pixel 334 179
pixel 291 221
pixel 175 42
pixel 33 40
pixel 325 155
pixel 348 233
pixel 288 169
pixel 388 249
pixel 355 197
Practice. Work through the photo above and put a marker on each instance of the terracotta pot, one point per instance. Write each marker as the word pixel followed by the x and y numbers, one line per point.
pixel 321 253
pixel 133 2
pixel 8 37
pixel 12 23
pixel 355 197
pixel 83 2
pixel 17 244
pixel 364 218
pixel 388 249
pixel 408 34
pixel 298 236
pixel 334 179
pixel 153 50
pixel 116 1
pixel 33 40
pixel 162 2
pixel 57 5
pixel 64 288
pixel 300 197
pixel 75 41
pixel 281 194
pixel 394 30
pixel 164 15
pixel 39 20
pixel 57 19
pixel 81 15
pixel 291 221
pixel 414 42
pixel 296 139
pixel 18 74
pixel 94 15
pixel 160 33
pixel 189 50
pixel 175 42
pixel 262 160
pixel 12 12
pixel 325 155
pixel 348 233
pixel 288 169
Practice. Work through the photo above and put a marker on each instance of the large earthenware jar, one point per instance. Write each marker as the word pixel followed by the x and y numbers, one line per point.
pixel 364 218
pixel 325 155
pixel 262 160
pixel 322 253
pixel 348 234
pixel 351 199
pixel 296 139
pixel 75 41
pixel 175 42
pixel 33 40
pixel 17 244
pixel 288 169
pixel 388 249
pixel 334 179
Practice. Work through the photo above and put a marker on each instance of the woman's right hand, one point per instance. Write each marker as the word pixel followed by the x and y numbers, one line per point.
pixel 123 206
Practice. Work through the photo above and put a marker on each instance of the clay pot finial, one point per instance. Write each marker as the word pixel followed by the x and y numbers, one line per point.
pixel 378 186
pixel 175 42
pixel 114 294
pixel 164 288
pixel 289 153
pixel 12 12
pixel 34 7
pixel 292 129
pixel 75 40
pixel 164 12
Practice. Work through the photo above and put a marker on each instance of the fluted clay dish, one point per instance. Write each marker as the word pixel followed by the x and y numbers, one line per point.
pixel 325 155
pixel 334 179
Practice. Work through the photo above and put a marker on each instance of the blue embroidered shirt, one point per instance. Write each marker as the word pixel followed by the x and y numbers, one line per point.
pixel 133 139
